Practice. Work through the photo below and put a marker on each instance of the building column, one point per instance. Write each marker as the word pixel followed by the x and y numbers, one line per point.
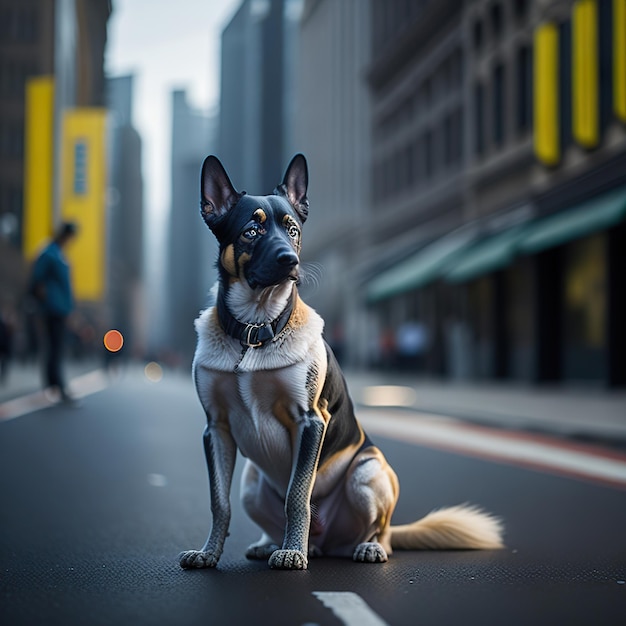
pixel 616 306
pixel 548 315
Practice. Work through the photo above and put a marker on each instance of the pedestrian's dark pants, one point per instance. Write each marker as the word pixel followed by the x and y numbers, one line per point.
pixel 55 329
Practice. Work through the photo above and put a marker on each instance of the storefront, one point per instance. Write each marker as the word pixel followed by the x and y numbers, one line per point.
pixel 543 301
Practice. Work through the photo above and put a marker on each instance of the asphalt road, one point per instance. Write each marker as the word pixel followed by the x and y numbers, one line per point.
pixel 97 502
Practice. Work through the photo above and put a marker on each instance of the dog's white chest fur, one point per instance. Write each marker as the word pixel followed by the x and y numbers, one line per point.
pixel 262 401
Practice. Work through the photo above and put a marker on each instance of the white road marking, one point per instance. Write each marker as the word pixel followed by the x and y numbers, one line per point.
pixel 87 384
pixel 349 607
pixel 546 454
pixel 388 395
pixel 80 387
pixel 157 480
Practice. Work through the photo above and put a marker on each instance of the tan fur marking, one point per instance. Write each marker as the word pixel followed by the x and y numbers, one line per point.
pixel 283 416
pixel 331 461
pixel 228 260
pixel 260 216
pixel 241 261
pixel 300 315
pixel 322 405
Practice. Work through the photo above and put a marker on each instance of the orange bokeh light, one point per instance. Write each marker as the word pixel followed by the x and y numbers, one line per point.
pixel 113 340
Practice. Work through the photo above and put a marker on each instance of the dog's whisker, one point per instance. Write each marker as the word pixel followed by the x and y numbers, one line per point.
pixel 311 274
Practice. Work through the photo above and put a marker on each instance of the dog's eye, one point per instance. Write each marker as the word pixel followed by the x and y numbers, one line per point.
pixel 293 231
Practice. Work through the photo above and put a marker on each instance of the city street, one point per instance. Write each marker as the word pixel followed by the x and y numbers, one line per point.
pixel 98 500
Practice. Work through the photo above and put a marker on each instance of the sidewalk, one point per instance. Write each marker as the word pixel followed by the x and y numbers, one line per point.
pixel 582 413
pixel 26 378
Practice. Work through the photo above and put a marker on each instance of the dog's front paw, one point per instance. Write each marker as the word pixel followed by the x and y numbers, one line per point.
pixel 261 552
pixel 288 559
pixel 370 552
pixel 196 559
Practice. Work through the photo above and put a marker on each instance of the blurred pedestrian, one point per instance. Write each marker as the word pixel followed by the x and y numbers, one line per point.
pixel 51 286
pixel 387 348
pixel 411 345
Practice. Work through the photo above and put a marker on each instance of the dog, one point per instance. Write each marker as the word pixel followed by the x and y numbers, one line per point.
pixel 271 387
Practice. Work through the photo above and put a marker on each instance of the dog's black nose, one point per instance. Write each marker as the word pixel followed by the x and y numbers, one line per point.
pixel 287 258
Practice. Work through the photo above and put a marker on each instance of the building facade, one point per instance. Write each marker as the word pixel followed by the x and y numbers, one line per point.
pixel 516 176
pixel 26 49
pixel 59 43
pixel 331 128
pixel 493 228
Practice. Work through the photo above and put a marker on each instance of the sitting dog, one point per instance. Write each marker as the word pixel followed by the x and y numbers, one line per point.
pixel 271 387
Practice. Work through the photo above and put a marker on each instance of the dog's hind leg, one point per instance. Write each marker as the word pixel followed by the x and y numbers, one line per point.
pixel 262 549
pixel 265 508
pixel 372 491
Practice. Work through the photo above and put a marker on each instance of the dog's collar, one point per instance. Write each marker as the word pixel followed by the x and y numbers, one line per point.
pixel 254 335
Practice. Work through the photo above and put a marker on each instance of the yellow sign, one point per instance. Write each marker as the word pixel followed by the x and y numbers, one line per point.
pixel 38 164
pixel 83 198
pixel 585 68
pixel 546 94
pixel 619 59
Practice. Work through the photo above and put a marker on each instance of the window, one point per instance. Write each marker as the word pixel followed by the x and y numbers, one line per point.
pixel 427 93
pixel 521 9
pixel 457 68
pixel 457 136
pixel 416 163
pixel 478 35
pixel 428 154
pixel 409 165
pixel 479 116
pixel 11 197
pixel 452 140
pixel 498 105
pixel 523 97
pixel 496 19
pixel 12 139
pixel 447 140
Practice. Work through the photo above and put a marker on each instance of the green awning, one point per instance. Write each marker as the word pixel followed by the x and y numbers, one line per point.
pixel 420 269
pixel 459 258
pixel 585 219
pixel 488 255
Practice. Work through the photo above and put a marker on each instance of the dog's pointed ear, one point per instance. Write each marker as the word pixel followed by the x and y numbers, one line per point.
pixel 217 194
pixel 294 186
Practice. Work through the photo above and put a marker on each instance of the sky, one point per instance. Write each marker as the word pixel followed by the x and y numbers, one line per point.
pixel 166 45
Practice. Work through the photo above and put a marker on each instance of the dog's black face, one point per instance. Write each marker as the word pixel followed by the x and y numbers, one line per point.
pixel 259 236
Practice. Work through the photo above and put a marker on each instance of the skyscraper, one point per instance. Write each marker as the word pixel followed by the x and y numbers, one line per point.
pixel 191 248
pixel 256 92
pixel 125 221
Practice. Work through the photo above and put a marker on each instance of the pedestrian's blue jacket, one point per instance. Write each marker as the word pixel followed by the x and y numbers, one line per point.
pixel 51 281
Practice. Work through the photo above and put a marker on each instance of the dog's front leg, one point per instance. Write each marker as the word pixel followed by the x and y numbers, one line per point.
pixel 293 554
pixel 221 452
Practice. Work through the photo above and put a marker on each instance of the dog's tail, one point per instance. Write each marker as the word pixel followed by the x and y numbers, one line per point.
pixel 462 527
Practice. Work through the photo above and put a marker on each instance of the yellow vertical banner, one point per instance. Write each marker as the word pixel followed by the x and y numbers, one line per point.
pixel 619 59
pixel 38 164
pixel 83 198
pixel 585 70
pixel 546 135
